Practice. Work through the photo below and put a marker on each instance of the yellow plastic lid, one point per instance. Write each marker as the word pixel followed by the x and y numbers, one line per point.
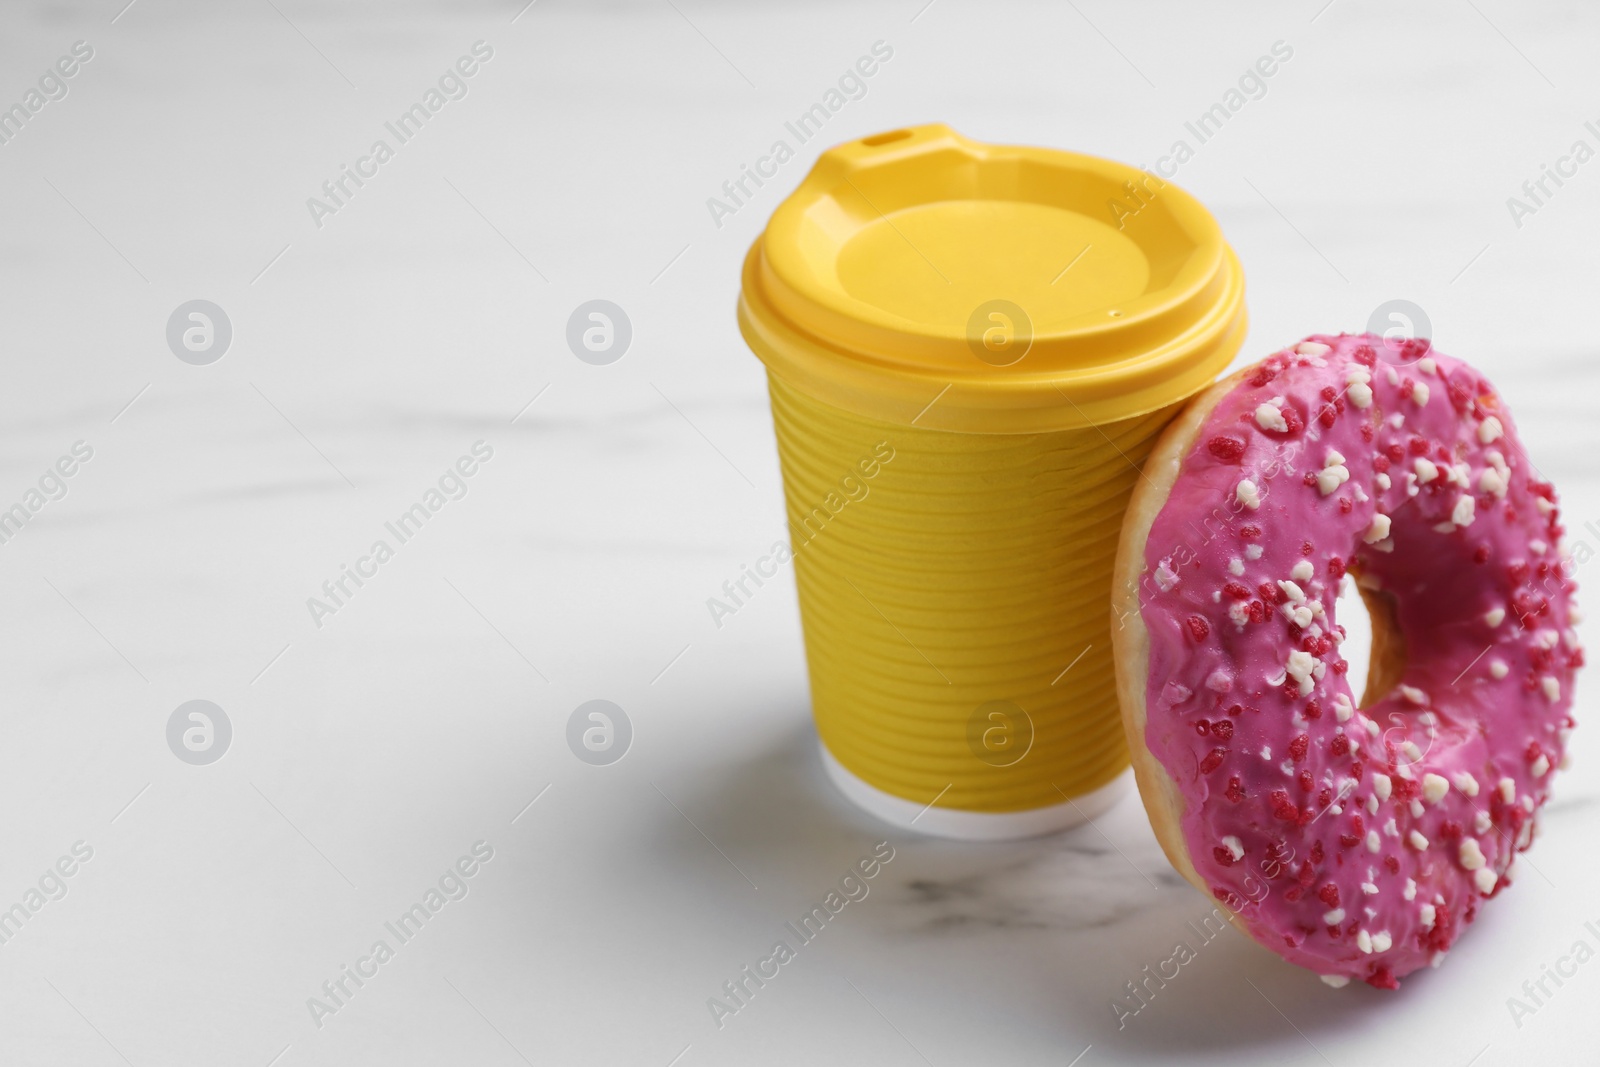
pixel 917 276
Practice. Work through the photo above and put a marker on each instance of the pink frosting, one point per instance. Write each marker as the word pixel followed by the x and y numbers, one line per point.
pixel 1358 842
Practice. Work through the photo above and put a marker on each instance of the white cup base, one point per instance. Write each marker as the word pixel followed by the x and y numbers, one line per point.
pixel 973 825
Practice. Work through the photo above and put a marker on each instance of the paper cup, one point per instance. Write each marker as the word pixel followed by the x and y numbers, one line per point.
pixel 970 351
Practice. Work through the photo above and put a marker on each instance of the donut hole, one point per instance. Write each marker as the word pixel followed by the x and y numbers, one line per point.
pixel 1386 662
pixel 1374 645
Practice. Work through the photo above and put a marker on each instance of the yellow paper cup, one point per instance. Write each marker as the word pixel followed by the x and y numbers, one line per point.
pixel 970 350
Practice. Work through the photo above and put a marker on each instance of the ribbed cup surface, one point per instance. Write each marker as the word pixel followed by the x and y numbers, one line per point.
pixel 956 601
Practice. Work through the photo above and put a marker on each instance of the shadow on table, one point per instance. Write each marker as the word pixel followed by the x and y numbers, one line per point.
pixel 1078 922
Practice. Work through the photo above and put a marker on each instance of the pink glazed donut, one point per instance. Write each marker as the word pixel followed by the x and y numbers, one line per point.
pixel 1356 840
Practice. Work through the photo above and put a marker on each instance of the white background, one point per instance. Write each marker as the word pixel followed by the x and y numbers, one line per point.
pixel 369 353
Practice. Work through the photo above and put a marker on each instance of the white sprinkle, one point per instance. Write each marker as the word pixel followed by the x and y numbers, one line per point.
pixel 1312 348
pixel 1485 880
pixel 1410 890
pixel 1426 365
pixel 1360 394
pixel 1464 511
pixel 1342 709
pixel 1416 808
pixel 1270 418
pixel 1236 566
pixel 1331 478
pixel 1266 752
pixel 1413 753
pixel 1374 843
pixel 1466 783
pixel 1299 668
pixel 1489 430
pixel 1381 480
pixel 1494 617
pixel 1481 822
pixel 1337 981
pixel 1498 669
pixel 1391 376
pixel 1426 470
pixel 1369 889
pixel 1436 959
pixel 1538 548
pixel 1434 787
pixel 1470 855
pixel 1302 571
pixel 1428 916
pixel 1414 695
pixel 1508 790
pixel 1381 942
pixel 1364 941
pixel 1219 681
pixel 1372 727
pixel 1334 917
pixel 1419 393
pixel 1551 687
pixel 1233 845
pixel 1166 577
pixel 1292 591
pixel 1417 841
pixel 1372 805
pixel 1390 828
pixel 1378 530
pixel 1252 552
pixel 1492 482
pixel 1541 766
pixel 1248 495
pixel 1527 803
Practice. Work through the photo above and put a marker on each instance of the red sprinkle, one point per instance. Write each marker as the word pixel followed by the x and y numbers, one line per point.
pixel 1198 627
pixel 1213 760
pixel 1297 747
pixel 1282 807
pixel 1226 448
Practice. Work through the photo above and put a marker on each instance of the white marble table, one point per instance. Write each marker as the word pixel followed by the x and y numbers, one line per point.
pixel 429 711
